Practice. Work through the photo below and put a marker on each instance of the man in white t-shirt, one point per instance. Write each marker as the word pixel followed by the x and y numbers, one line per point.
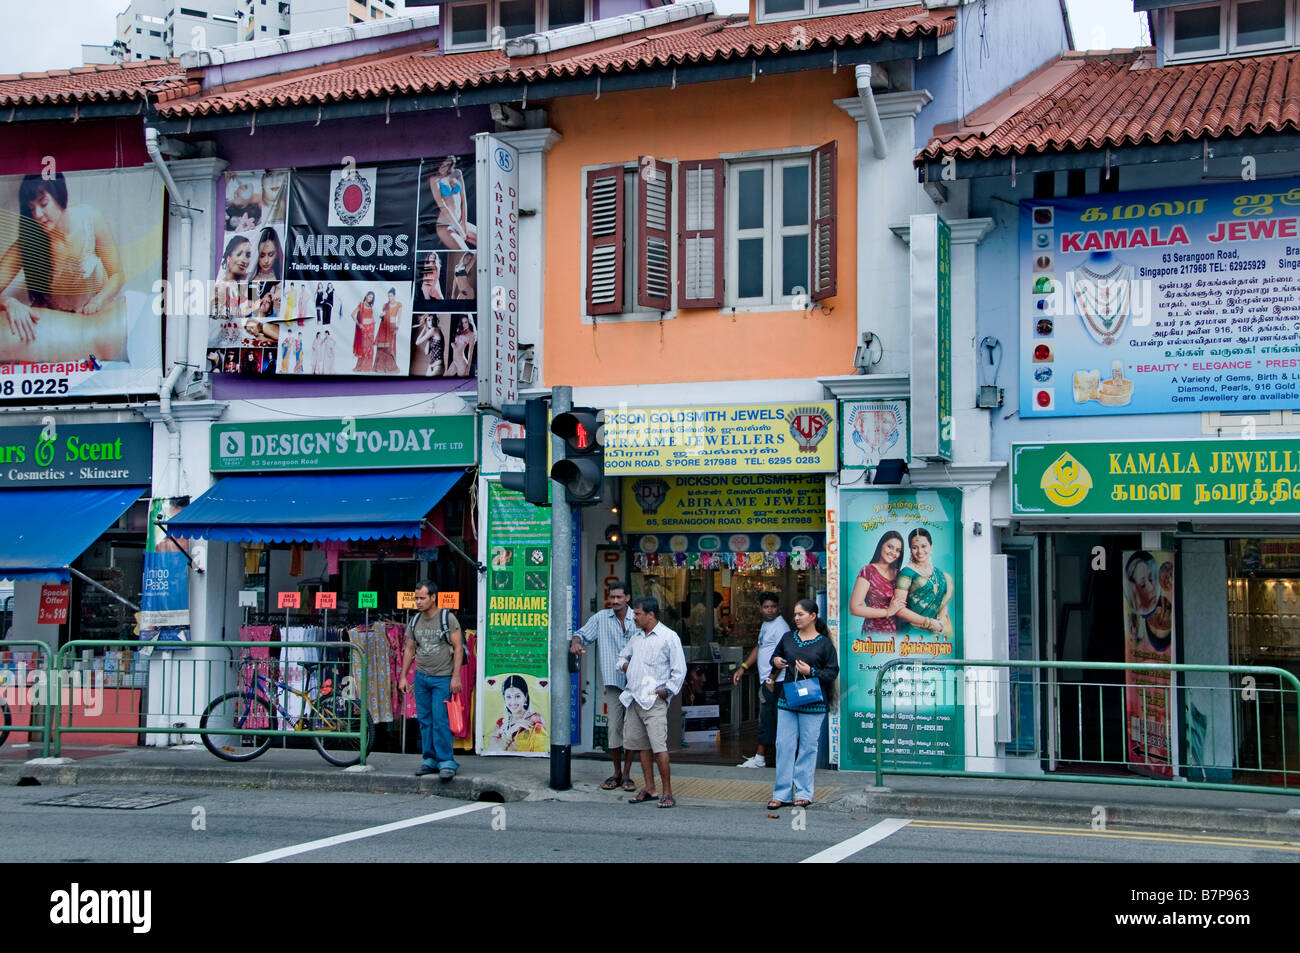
pixel 769 636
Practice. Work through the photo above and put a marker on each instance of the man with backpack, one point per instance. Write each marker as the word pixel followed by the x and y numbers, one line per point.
pixel 434 645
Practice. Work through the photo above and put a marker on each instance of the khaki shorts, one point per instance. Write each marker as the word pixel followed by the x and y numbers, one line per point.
pixel 614 713
pixel 646 729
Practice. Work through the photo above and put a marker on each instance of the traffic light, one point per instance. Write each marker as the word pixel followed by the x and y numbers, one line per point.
pixel 532 449
pixel 582 470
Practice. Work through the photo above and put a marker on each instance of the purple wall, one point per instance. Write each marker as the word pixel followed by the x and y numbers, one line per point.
pixel 230 387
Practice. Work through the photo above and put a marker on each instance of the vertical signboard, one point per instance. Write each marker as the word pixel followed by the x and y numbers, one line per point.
pixel 516 655
pixel 498 270
pixel 931 279
pixel 1149 638
pixel 165 594
pixel 900 553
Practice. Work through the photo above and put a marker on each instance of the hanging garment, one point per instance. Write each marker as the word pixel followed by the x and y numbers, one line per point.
pixel 465 697
pixel 295 560
pixel 256 660
pixel 403 702
pixel 378 689
pixel 297 668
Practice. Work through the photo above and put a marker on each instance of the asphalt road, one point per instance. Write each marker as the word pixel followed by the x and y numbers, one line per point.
pixel 287 827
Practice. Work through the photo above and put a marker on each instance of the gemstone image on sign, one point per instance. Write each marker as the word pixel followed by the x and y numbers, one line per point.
pixel 1066 482
pixel 536 581
pixel 537 557
pixel 352 197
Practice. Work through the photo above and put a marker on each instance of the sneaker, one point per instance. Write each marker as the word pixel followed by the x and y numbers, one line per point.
pixel 424 769
pixel 753 762
pixel 446 774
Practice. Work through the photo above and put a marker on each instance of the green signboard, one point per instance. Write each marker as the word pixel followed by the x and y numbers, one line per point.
pixel 347 443
pixel 516 650
pixel 930 244
pixel 1175 478
pixel 367 600
pixel 945 341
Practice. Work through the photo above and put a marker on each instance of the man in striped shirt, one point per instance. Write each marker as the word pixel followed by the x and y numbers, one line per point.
pixel 612 627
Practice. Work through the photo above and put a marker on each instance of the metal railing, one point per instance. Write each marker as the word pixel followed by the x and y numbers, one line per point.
pixel 1234 733
pixel 24 689
pixel 178 684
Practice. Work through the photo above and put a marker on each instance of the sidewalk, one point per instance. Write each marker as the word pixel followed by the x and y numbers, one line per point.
pixel 519 779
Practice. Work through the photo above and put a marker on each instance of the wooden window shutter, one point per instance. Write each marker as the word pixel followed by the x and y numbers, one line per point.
pixel 824 198
pixel 605 224
pixel 700 239
pixel 654 210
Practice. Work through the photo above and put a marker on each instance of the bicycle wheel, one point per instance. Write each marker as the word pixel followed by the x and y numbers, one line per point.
pixel 235 710
pixel 4 722
pixel 338 715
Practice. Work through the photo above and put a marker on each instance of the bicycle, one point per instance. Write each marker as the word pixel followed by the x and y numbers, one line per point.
pixel 327 711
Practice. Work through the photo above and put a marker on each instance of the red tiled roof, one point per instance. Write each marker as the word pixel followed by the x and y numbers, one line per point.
pixel 1102 100
pixel 91 83
pixel 414 71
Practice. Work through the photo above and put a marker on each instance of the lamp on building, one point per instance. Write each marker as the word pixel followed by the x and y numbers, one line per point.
pixel 890 471
pixel 613 534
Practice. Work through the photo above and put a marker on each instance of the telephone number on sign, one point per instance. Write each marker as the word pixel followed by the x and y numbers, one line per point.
pixel 35 386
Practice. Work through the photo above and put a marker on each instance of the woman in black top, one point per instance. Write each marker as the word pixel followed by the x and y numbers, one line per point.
pixel 805 653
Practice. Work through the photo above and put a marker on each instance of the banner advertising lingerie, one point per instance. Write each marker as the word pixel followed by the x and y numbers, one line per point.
pixel 1148 638
pixel 514 686
pixel 80 283
pixel 364 270
pixel 900 553
pixel 1164 301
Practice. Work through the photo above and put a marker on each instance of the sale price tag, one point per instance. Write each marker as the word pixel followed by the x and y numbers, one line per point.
pixel 406 600
pixel 288 600
pixel 367 600
pixel 449 600
pixel 327 600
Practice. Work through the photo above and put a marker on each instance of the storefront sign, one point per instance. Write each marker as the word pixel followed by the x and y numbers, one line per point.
pixel 515 690
pixel 76 455
pixel 347 270
pixel 873 431
pixel 95 295
pixel 752 502
pixel 922 704
pixel 498 274
pixel 377 443
pixel 768 438
pixel 1188 478
pixel 1161 302
pixel 931 275
pixel 53 608
pixel 165 592
pixel 1149 638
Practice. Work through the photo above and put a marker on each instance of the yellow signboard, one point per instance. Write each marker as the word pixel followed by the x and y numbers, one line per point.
pixel 766 438
pixel 710 503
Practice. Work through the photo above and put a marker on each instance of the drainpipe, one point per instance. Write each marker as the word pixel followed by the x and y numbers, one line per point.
pixel 168 385
pixel 862 74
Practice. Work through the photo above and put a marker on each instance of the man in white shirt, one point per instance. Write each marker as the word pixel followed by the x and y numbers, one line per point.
pixel 769 637
pixel 655 667
pixel 612 628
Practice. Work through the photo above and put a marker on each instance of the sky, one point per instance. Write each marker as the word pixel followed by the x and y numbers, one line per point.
pixel 48 35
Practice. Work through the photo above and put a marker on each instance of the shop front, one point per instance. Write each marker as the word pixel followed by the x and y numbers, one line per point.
pixel 323 531
pixel 1163 551
pixel 716 505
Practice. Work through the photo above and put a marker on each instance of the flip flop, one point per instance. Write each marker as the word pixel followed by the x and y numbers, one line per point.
pixel 629 785
pixel 668 801
pixel 777 805
pixel 642 797
pixel 611 783
pixel 802 803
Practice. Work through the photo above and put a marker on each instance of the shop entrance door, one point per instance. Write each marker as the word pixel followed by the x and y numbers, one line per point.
pixel 715 611
pixel 1083 593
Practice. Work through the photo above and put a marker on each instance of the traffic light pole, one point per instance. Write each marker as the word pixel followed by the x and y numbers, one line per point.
pixel 561 608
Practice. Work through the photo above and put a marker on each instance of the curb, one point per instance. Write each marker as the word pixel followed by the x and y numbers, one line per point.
pixel 1199 820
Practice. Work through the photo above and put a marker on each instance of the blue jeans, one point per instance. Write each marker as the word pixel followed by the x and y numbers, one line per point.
pixel 431 695
pixel 794 774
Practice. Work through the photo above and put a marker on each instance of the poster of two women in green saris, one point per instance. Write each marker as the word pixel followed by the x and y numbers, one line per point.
pixel 901 562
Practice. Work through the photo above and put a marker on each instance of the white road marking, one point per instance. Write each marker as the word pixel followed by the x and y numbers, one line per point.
pixel 872 835
pixel 271 855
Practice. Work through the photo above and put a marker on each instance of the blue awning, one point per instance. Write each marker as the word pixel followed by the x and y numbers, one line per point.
pixel 314 507
pixel 43 531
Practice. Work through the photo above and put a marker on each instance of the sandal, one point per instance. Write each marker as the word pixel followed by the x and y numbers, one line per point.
pixel 629 785
pixel 611 783
pixel 802 803
pixel 775 805
pixel 668 801
pixel 642 796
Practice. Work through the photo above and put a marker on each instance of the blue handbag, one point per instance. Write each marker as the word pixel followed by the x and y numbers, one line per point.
pixel 803 692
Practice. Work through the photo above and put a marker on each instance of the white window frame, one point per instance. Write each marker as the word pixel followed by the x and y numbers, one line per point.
pixel 631 310
pixel 541 21
pixel 1228 47
pixel 1234 424
pixel 488 23
pixel 771 232
pixel 1288 33
pixel 544 14
pixel 813 8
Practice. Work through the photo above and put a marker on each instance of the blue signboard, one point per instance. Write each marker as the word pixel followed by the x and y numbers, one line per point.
pixel 1161 301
